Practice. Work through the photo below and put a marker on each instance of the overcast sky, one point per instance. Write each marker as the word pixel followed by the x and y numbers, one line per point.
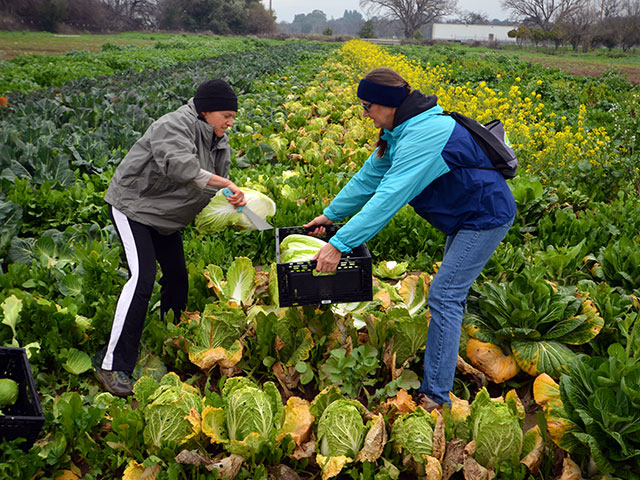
pixel 286 9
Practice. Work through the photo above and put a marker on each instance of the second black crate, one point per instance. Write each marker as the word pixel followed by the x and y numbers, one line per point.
pixel 23 419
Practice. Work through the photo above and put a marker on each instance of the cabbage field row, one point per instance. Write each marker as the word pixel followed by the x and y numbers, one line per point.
pixel 548 379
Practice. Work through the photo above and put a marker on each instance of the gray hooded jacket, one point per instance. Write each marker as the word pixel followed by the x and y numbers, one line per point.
pixel 155 182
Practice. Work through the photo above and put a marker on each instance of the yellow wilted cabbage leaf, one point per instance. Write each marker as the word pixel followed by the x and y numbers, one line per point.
pixel 490 359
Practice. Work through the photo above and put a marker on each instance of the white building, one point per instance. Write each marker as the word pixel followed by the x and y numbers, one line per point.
pixel 468 33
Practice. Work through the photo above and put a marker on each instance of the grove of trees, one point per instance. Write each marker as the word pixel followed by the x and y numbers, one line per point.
pixel 583 24
pixel 218 16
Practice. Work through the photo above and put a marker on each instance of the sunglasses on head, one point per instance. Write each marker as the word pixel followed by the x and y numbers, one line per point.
pixel 366 106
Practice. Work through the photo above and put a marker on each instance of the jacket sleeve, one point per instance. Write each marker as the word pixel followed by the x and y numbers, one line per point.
pixel 359 189
pixel 173 147
pixel 416 162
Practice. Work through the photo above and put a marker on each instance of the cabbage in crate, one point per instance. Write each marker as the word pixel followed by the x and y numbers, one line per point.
pixel 220 214
pixel 299 248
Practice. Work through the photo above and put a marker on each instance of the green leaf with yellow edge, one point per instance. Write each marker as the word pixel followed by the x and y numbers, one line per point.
pixel 213 424
pixel 215 339
pixel 590 327
pixel 536 357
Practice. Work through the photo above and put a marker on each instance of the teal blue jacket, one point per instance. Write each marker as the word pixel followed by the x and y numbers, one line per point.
pixel 428 163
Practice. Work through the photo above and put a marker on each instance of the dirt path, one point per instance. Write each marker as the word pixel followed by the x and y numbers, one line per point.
pixel 586 67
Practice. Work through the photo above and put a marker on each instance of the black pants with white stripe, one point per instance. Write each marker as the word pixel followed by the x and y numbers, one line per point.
pixel 143 245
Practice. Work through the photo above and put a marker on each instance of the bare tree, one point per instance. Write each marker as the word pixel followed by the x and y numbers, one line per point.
pixel 577 27
pixel 132 13
pixel 473 18
pixel 413 14
pixel 541 13
pixel 609 8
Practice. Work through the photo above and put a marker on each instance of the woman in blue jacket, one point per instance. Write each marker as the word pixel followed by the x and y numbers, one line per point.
pixel 427 160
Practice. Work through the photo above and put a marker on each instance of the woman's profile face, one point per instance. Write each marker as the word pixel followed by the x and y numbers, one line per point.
pixel 220 121
pixel 381 115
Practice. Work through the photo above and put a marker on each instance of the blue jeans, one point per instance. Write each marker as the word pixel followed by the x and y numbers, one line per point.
pixel 465 255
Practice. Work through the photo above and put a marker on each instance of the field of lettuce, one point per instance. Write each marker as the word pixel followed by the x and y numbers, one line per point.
pixel 548 380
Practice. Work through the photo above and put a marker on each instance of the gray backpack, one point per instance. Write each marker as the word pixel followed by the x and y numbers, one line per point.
pixel 494 142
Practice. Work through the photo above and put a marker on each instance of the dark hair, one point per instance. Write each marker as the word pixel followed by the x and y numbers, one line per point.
pixel 386 76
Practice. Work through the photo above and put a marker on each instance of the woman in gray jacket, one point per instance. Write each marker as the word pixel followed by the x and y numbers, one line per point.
pixel 165 180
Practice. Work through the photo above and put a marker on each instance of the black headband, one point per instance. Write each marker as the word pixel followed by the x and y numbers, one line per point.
pixel 386 95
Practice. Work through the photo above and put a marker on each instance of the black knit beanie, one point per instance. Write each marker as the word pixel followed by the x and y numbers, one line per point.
pixel 214 96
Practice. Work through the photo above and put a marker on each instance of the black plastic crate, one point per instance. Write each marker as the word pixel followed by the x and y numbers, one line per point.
pixel 24 418
pixel 298 286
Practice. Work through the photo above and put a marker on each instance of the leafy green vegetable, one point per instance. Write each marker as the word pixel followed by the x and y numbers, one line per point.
pixel 77 362
pixel 299 248
pixel 216 337
pixel 250 417
pixel 8 392
pixel 412 434
pixel 350 372
pixel 601 402
pixel 533 319
pixel 238 288
pixel 390 269
pixel 341 430
pixel 497 429
pixel 166 407
pixel 220 214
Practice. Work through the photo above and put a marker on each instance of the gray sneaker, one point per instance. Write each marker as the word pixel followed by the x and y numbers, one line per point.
pixel 116 382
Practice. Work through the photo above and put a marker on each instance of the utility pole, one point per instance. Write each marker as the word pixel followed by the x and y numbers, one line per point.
pixel 270 9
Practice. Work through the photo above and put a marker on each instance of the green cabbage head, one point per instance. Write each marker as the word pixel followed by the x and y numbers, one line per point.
pixel 390 269
pixel 497 430
pixel 341 429
pixel 8 392
pixel 413 434
pixel 250 417
pixel 299 248
pixel 165 407
pixel 220 214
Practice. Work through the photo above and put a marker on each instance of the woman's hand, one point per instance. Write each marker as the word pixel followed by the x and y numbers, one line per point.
pixel 328 258
pixel 319 222
pixel 237 197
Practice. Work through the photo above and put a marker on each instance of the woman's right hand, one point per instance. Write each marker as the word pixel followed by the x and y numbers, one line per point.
pixel 319 222
pixel 237 198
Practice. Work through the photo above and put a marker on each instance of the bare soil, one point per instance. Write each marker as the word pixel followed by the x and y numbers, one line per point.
pixel 587 67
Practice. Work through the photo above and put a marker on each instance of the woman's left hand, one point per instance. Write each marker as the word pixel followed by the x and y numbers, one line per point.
pixel 328 258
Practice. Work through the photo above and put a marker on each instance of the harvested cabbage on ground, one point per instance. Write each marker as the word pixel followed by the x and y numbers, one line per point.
pixel 220 214
pixel 390 269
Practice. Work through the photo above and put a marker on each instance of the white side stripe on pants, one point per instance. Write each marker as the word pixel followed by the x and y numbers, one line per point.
pixel 124 302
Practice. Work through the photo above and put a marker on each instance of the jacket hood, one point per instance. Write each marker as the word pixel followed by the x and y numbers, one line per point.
pixel 415 104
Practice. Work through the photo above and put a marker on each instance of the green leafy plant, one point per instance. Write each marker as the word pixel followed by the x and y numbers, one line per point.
pixel 532 320
pixel 249 419
pixel 595 410
pixel 167 407
pixel 351 372
pixel 619 264
pixel 343 434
